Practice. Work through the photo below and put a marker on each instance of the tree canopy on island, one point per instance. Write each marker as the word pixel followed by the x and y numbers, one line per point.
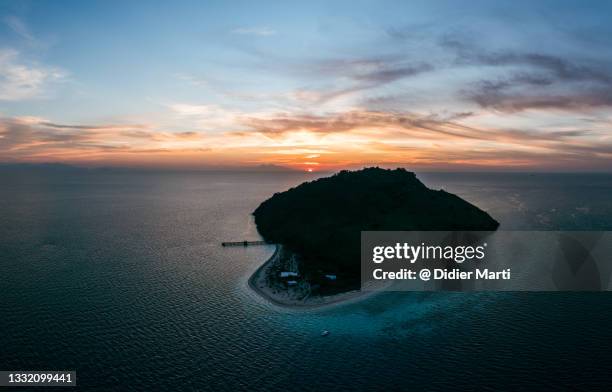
pixel 322 220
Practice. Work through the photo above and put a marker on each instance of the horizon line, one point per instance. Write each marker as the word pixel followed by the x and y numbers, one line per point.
pixel 276 169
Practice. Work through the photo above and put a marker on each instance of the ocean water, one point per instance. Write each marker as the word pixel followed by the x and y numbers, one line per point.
pixel 121 277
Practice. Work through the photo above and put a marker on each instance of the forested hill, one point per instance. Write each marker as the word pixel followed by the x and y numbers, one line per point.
pixel 321 220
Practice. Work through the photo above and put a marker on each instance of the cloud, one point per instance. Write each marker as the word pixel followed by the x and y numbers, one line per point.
pixel 259 31
pixel 545 82
pixel 422 133
pixel 204 117
pixel 528 91
pixel 192 79
pixel 187 109
pixel 388 74
pixel 412 32
pixel 20 81
pixel 21 29
pixel 557 67
pixel 324 79
pixel 516 102
pixel 356 75
pixel 88 127
pixel 30 138
pixel 408 125
pixel 438 140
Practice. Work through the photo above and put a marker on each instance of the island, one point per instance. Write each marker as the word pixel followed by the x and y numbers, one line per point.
pixel 317 226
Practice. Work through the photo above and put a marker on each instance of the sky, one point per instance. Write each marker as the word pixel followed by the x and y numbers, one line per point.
pixel 426 85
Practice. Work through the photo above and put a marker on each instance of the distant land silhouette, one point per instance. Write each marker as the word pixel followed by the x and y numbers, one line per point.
pixel 70 168
pixel 321 221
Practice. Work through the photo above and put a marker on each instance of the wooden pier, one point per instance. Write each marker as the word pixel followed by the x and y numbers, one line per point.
pixel 244 243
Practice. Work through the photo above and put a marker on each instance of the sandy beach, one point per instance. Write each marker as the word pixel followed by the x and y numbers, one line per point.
pixel 281 296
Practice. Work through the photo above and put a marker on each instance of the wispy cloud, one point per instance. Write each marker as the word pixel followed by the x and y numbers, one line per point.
pixel 558 67
pixel 260 31
pixel 490 95
pixel 204 117
pixel 350 77
pixel 544 81
pixel 32 138
pixel 408 126
pixel 21 29
pixel 21 81
pixel 439 136
pixel 438 140
pixel 192 79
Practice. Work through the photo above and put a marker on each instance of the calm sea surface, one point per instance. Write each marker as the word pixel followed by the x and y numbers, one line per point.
pixel 121 277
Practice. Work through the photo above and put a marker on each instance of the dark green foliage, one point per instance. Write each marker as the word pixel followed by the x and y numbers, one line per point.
pixel 322 220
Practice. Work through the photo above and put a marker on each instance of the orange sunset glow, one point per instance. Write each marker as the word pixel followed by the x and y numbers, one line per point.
pixel 304 143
